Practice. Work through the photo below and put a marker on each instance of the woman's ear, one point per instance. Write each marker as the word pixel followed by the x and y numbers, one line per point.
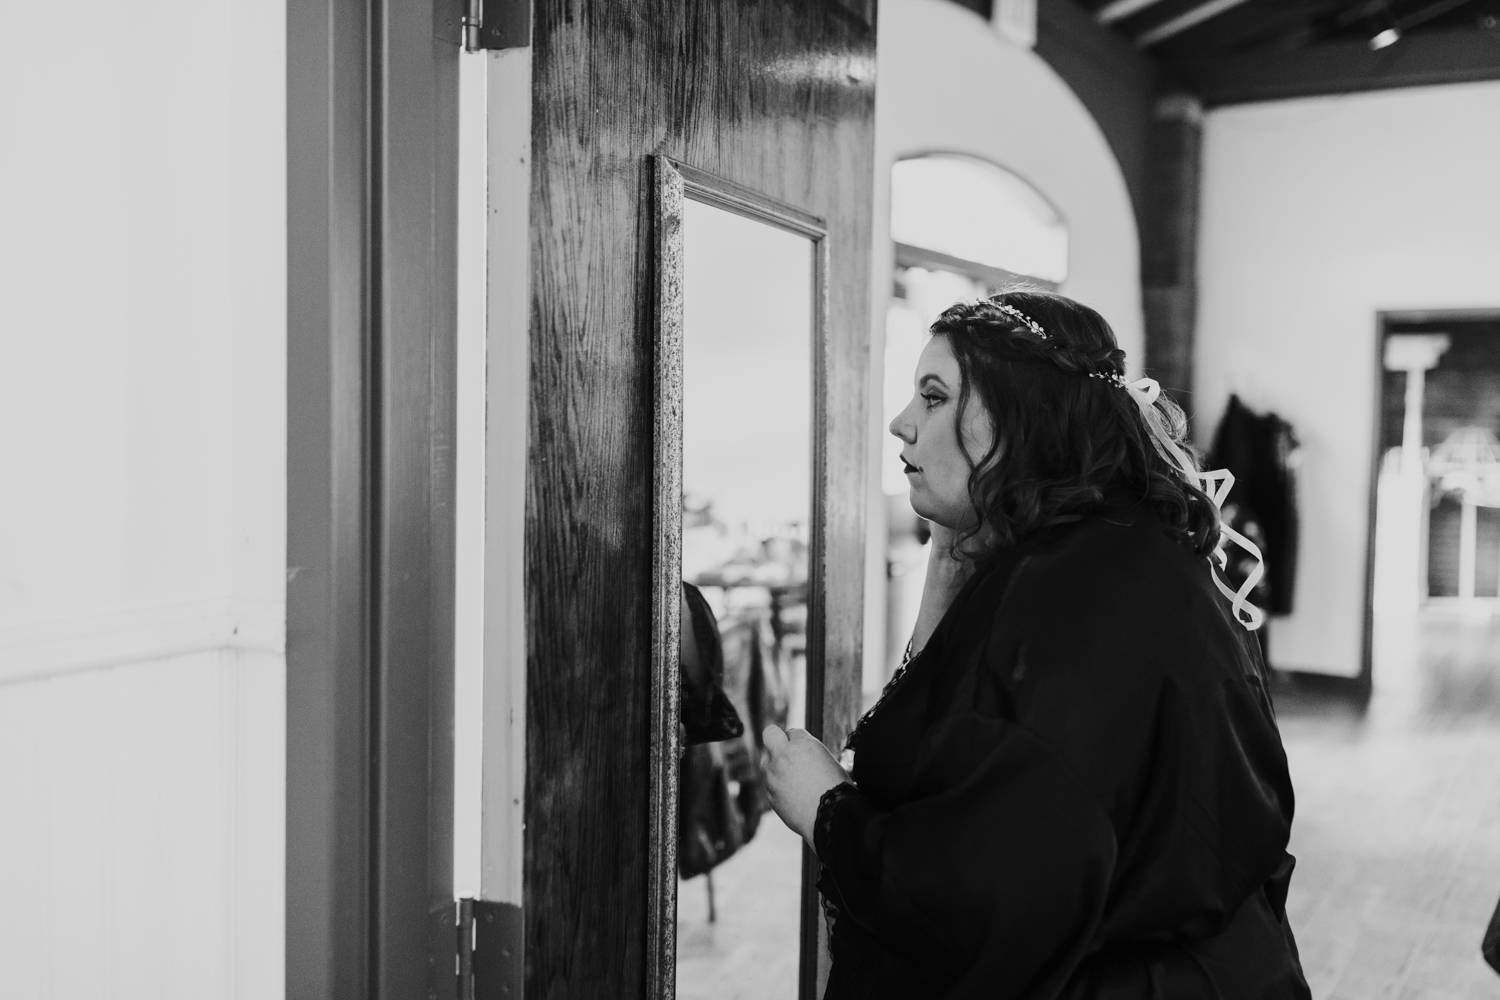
pixel 976 432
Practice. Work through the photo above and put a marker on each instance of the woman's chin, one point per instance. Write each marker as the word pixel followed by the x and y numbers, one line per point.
pixel 926 509
pixel 953 516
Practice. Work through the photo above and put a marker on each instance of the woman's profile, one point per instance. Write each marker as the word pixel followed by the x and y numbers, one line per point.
pixel 1075 786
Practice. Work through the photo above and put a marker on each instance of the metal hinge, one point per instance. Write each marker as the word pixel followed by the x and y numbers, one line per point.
pixel 496 24
pixel 491 964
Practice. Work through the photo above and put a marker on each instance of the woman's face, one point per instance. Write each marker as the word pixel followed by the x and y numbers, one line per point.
pixel 928 428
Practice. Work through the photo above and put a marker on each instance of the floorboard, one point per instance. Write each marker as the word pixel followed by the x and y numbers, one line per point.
pixel 1397 835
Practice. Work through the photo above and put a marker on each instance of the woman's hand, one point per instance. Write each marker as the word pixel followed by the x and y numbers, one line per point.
pixel 799 769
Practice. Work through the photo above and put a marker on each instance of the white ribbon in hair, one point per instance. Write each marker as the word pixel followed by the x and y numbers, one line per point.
pixel 1216 483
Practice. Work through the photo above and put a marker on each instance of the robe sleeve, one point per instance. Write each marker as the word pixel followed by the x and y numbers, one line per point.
pixel 998 868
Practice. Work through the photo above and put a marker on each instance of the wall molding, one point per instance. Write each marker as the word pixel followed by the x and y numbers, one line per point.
pixel 31 650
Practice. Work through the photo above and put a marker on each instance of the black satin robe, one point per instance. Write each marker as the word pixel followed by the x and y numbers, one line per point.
pixel 1076 790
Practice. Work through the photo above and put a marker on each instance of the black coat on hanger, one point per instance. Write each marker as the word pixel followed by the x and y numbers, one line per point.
pixel 737 692
pixel 1259 449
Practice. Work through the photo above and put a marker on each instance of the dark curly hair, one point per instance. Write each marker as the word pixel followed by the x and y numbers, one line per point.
pixel 1065 444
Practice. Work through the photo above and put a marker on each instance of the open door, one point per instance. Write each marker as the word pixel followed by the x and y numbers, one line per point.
pixel 763 112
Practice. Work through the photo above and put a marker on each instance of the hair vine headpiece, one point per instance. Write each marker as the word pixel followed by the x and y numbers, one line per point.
pixel 1026 320
pixel 1215 483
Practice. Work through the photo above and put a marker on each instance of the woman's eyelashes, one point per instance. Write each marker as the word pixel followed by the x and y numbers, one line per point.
pixel 934 399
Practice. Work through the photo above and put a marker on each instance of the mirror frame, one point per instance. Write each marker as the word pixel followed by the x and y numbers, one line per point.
pixel 676 183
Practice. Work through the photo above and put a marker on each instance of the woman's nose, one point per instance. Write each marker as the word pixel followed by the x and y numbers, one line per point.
pixel 904 428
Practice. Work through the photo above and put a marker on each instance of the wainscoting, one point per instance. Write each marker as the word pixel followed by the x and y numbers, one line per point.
pixel 142 831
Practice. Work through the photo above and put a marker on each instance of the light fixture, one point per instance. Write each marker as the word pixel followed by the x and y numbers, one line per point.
pixel 1390 28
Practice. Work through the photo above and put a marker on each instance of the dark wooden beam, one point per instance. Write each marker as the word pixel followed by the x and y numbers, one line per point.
pixel 1115 81
pixel 1169 244
pixel 1342 67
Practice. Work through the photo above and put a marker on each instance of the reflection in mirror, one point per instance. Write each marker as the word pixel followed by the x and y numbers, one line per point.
pixel 747 502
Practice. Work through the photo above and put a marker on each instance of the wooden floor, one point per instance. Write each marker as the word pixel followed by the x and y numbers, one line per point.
pixel 749 951
pixel 1397 834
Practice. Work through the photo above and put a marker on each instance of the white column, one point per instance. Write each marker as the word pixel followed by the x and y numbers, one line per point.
pixel 1468 543
pixel 1414 353
pixel 1411 426
pixel 1404 549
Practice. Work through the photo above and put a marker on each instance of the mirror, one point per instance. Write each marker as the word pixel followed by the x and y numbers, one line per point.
pixel 746 463
pixel 738 547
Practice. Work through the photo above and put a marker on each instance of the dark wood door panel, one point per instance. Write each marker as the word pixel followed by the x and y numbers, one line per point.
pixel 777 97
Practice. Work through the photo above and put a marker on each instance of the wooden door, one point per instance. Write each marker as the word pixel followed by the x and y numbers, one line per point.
pixel 776 97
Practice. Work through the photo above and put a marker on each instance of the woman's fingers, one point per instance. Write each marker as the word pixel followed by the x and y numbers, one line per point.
pixel 802 736
pixel 799 769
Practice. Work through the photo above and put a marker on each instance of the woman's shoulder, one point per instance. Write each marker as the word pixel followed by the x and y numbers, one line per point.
pixel 1110 631
pixel 1115 589
pixel 1125 553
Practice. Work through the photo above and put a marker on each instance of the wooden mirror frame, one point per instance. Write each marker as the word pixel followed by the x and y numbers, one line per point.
pixel 676 183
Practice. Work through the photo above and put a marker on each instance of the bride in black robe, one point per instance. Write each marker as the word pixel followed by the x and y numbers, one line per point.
pixel 1075 786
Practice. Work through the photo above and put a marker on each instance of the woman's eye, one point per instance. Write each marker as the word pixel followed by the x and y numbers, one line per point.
pixel 933 399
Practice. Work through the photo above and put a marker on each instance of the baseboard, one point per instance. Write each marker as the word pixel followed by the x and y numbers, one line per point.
pixel 37 649
pixel 1314 683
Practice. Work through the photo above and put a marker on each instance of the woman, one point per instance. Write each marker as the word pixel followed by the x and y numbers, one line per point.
pixel 1075 787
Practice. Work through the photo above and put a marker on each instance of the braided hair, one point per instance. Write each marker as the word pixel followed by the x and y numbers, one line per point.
pixel 1067 438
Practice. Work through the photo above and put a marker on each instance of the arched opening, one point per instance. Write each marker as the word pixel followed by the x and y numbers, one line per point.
pixel 968 216
pixel 963 227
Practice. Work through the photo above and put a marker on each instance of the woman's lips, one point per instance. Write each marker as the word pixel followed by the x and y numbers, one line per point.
pixel 909 468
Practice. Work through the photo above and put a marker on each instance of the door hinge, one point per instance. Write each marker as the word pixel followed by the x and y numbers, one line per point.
pixel 491 962
pixel 497 24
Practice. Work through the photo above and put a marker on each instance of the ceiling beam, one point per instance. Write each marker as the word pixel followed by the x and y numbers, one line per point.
pixel 1188 19
pixel 1427 13
pixel 1119 10
pixel 1342 67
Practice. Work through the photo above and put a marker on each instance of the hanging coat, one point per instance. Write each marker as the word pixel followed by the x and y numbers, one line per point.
pixel 1260 450
pixel 1077 790
pixel 721 785
pixel 708 715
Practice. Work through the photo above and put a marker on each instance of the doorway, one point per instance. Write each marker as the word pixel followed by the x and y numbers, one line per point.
pixel 1433 600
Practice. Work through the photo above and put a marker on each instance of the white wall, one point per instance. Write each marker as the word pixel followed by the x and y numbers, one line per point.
pixel 1317 214
pixel 142 519
pixel 947 83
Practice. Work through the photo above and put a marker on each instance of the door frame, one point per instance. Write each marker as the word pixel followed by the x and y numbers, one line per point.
pixel 1363 683
pixel 372 145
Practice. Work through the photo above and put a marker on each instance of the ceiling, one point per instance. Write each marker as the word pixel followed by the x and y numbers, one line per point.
pixel 1174 30
pixel 1232 51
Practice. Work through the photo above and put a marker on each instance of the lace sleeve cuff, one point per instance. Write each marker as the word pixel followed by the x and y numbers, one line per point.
pixel 827 806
